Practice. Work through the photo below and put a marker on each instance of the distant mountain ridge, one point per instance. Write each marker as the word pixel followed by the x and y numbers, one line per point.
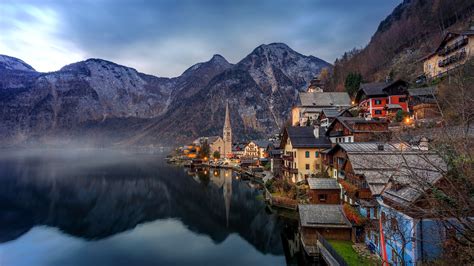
pixel 98 102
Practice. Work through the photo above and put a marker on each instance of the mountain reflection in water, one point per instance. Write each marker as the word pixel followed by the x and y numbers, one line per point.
pixel 89 207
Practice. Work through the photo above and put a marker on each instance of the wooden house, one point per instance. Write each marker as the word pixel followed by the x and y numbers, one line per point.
pixel 357 129
pixel 324 191
pixel 378 99
pixel 328 220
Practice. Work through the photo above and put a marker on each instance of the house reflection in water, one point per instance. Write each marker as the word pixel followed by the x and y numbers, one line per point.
pixel 221 178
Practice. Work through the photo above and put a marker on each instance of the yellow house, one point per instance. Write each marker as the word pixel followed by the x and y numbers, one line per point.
pixel 454 50
pixel 302 147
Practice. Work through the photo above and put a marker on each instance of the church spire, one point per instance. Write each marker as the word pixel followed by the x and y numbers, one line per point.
pixel 227 133
pixel 227 117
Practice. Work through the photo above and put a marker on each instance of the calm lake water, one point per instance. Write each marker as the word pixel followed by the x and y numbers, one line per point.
pixel 90 207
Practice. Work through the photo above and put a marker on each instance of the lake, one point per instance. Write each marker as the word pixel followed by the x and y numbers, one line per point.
pixel 111 207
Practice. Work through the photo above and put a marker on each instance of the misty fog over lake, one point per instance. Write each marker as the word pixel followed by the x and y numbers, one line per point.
pixel 113 207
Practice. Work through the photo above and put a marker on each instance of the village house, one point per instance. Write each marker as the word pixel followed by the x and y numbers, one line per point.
pixel 453 51
pixel 382 99
pixel 301 151
pixel 311 104
pixel 357 129
pixel 327 220
pixel 378 179
pixel 423 103
pixel 329 114
pixel 238 150
pixel 216 144
pixel 256 149
pixel 324 191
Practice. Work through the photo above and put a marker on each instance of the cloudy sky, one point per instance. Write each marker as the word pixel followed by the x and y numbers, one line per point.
pixel 166 37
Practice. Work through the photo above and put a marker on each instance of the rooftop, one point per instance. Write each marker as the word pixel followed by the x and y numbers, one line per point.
pixel 323 183
pixel 350 122
pixel 324 99
pixel 303 137
pixel 323 215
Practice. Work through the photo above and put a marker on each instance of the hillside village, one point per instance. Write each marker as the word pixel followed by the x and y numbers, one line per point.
pixel 363 169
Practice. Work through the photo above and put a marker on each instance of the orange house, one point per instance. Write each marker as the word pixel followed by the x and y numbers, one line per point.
pixel 377 100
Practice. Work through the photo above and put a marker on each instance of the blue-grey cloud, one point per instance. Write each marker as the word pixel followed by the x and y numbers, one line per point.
pixel 165 37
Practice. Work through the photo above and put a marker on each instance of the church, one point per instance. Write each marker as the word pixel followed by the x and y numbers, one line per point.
pixel 227 134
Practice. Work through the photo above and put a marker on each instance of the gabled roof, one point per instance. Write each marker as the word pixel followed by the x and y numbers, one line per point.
pixel 446 38
pixel 323 215
pixel 212 139
pixel 350 122
pixel 323 183
pixel 396 162
pixel 303 137
pixel 324 99
pixel 261 143
pixel 331 112
pixel 379 89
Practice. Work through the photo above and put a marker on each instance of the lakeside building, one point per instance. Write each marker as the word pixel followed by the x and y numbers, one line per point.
pixel 324 191
pixel 216 144
pixel 454 50
pixel 382 99
pixel 301 151
pixel 328 220
pixel 256 149
pixel 227 134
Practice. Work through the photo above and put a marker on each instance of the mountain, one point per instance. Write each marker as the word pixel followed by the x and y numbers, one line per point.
pixel 98 102
pixel 260 89
pixel 411 31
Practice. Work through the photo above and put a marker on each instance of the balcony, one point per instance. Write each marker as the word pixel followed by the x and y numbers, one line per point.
pixel 455 46
pixel 288 158
pixel 452 59
pixel 290 170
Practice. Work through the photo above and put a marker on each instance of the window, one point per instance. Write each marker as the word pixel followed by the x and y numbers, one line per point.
pixel 378 102
pixel 322 197
pixel 306 154
pixel 316 154
pixel 307 166
pixel 402 100
pixel 378 112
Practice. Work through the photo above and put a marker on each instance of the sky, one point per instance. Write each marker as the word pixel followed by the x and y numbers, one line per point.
pixel 166 37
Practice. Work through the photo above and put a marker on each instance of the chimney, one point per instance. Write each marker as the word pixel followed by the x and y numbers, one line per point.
pixel 380 147
pixel 424 144
pixel 316 130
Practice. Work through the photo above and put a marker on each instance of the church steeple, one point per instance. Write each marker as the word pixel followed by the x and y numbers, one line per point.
pixel 227 133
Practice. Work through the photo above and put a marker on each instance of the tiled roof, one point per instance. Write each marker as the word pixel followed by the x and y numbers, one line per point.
pixel 324 99
pixel 331 112
pixel 323 215
pixel 374 89
pixel 427 91
pixel 303 137
pixel 350 122
pixel 412 169
pixel 323 183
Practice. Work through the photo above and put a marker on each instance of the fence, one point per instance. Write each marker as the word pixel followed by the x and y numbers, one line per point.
pixel 331 250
